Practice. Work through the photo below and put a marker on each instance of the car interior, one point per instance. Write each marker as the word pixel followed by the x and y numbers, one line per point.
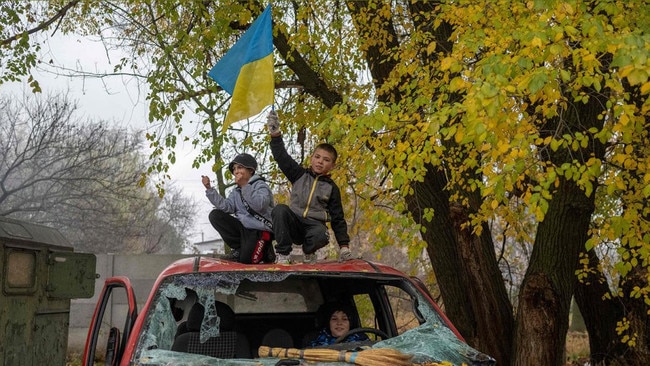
pixel 287 313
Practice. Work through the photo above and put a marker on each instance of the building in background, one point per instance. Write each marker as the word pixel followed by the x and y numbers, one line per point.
pixel 211 246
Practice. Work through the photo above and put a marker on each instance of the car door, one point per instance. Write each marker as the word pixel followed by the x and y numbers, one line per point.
pixel 116 305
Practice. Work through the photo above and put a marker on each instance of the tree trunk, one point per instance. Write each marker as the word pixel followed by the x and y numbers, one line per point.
pixel 636 312
pixel 600 314
pixel 475 298
pixel 545 295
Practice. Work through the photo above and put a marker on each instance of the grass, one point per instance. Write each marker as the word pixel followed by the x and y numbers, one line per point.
pixel 577 348
pixel 73 359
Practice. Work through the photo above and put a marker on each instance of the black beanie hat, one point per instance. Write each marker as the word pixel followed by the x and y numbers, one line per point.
pixel 245 160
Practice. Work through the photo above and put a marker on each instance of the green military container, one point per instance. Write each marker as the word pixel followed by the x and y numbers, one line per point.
pixel 39 274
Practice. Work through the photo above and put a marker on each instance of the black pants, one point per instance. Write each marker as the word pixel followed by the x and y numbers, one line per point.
pixel 249 242
pixel 290 228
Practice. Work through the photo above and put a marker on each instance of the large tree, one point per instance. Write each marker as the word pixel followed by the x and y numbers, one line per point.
pixel 460 114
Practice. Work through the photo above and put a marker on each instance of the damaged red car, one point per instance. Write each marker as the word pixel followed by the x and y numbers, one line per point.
pixel 209 311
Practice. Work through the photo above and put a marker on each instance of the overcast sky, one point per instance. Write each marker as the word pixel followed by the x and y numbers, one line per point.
pixel 116 99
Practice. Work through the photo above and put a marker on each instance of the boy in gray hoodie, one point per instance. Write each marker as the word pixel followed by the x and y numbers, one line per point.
pixel 244 218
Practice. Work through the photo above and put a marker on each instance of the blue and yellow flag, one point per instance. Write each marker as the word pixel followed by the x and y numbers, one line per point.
pixel 246 71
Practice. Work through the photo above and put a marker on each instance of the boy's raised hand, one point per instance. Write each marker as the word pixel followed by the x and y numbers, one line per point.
pixel 206 181
pixel 273 123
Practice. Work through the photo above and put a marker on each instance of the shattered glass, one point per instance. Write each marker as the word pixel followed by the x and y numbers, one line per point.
pixel 434 342
pixel 161 327
pixel 431 341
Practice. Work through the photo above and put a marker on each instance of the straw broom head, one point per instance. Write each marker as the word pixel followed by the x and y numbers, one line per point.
pixel 369 357
pixel 378 357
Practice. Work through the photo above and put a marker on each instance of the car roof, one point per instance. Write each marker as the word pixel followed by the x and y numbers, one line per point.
pixel 206 264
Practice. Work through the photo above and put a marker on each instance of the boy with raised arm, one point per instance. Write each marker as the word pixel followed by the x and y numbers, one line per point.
pixel 315 200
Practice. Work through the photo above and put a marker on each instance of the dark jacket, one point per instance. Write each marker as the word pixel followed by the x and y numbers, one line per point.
pixel 313 196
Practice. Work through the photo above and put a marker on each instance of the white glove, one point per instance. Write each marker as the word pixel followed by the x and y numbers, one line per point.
pixel 345 254
pixel 273 123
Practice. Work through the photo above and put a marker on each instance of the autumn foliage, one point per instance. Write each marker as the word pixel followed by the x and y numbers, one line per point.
pixel 507 140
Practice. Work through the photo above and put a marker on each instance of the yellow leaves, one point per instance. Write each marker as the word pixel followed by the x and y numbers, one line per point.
pixel 630 164
pixel 585 270
pixel 571 31
pixel 563 9
pixel 543 142
pixel 637 291
pixel 624 119
pixel 533 83
pixel 445 63
pixel 634 64
pixel 428 214
pixel 637 76
pixel 645 88
pixel 379 229
pixel 459 136
pixel 622 327
pixel 458 83
pixel 588 57
pixel 431 48
pixel 555 144
pixel 539 206
pixel 519 76
pixel 401 147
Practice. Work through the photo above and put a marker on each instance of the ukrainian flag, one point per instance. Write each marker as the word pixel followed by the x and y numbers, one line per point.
pixel 246 71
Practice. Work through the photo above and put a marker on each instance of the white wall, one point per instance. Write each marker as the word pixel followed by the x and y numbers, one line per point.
pixel 142 270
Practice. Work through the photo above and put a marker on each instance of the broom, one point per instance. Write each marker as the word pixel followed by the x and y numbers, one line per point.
pixel 368 357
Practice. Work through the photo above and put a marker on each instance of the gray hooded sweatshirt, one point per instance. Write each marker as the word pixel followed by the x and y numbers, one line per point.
pixel 257 195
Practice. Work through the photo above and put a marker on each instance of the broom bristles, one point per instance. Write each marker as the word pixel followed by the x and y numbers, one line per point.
pixel 379 356
pixel 368 357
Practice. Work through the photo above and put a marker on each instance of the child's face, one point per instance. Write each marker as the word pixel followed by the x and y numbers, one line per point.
pixel 242 174
pixel 322 161
pixel 339 324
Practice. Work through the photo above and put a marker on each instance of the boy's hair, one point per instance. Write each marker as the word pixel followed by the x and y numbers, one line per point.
pixel 329 148
pixel 325 311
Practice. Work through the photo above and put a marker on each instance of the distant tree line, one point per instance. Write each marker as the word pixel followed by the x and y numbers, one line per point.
pixel 82 177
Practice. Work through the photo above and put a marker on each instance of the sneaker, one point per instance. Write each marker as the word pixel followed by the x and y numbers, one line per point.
pixel 310 258
pixel 345 254
pixel 283 258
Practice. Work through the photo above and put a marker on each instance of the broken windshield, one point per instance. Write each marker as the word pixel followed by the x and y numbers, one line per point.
pixel 429 340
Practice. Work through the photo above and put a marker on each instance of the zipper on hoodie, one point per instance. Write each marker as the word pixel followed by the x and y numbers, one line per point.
pixel 311 194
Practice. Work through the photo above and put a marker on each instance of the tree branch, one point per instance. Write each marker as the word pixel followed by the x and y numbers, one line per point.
pixel 59 15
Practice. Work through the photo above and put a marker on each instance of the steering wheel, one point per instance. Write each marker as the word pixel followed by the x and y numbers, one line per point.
pixel 350 332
